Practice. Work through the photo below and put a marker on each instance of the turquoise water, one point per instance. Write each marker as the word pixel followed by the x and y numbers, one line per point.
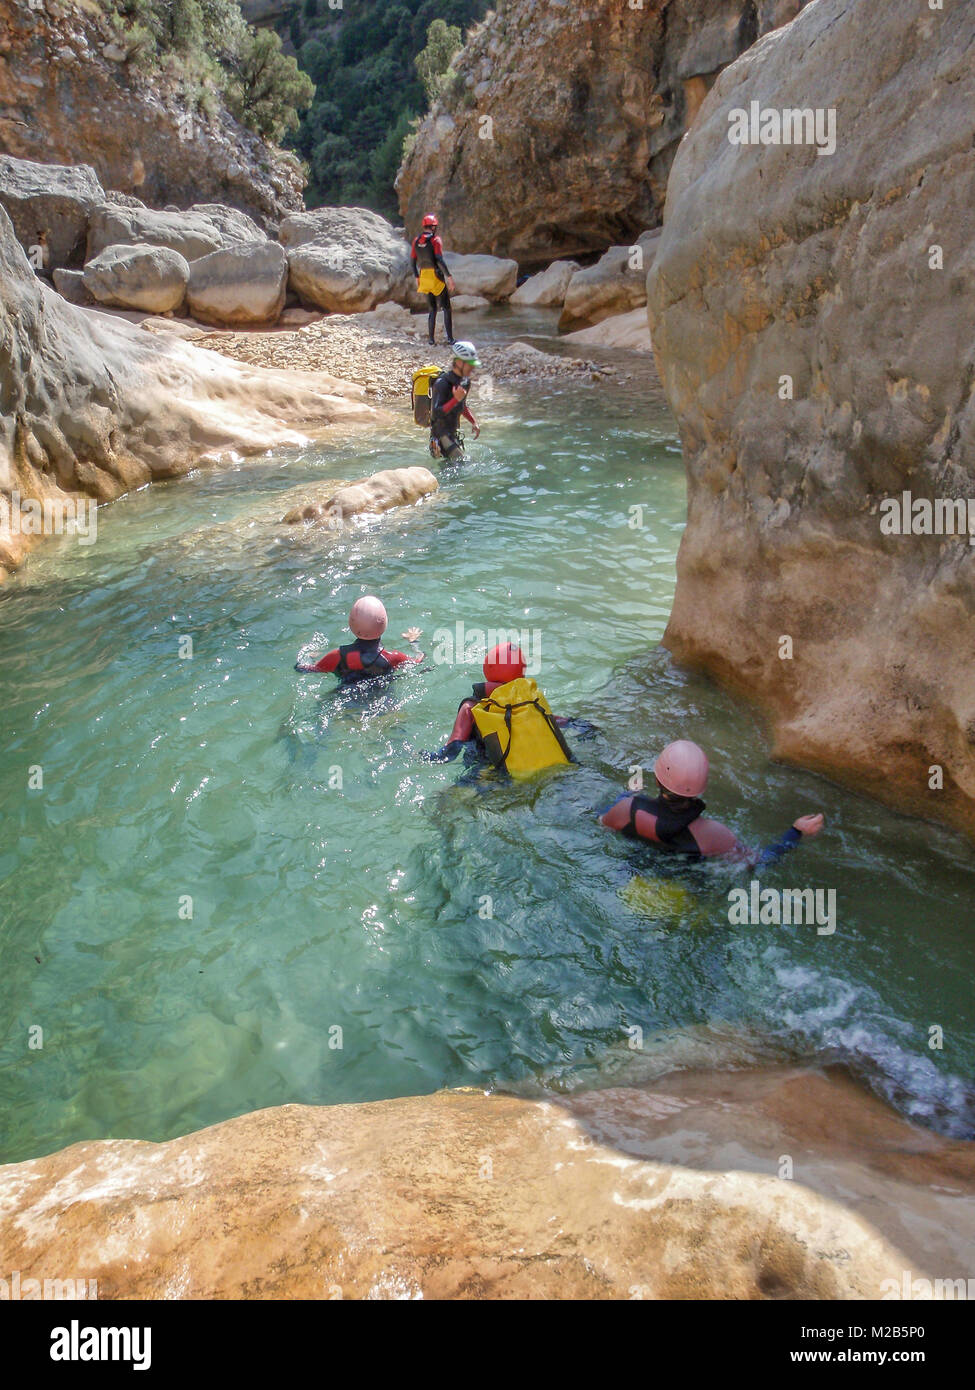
pixel 341 945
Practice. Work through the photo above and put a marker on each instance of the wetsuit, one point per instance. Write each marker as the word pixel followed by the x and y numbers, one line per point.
pixel 465 731
pixel 686 831
pixel 446 412
pixel 432 274
pixel 360 661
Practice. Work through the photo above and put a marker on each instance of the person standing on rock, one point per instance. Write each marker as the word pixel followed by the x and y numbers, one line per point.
pixel 448 403
pixel 432 276
pixel 672 819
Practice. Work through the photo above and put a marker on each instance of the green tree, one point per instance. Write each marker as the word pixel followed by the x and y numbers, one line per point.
pixel 268 88
pixel 443 42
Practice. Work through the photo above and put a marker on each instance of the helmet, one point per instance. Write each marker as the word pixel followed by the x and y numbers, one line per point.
pixel 368 618
pixel 682 768
pixel 467 353
pixel 430 220
pixel 506 663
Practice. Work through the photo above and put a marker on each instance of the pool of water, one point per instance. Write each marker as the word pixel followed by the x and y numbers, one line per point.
pixel 234 890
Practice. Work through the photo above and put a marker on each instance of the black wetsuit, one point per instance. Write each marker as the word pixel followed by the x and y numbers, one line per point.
pixel 446 413
pixel 427 254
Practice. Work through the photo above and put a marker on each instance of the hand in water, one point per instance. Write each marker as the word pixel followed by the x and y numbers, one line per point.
pixel 477 431
pixel 412 633
pixel 809 825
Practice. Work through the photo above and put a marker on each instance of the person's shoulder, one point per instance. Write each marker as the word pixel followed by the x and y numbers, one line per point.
pixel 712 837
pixel 438 245
pixel 618 814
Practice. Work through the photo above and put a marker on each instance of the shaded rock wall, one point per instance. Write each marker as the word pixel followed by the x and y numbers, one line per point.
pixel 819 270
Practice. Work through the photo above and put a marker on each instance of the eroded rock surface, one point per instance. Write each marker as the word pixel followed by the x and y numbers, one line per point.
pixel 820 364
pixel 380 492
pixel 666 1191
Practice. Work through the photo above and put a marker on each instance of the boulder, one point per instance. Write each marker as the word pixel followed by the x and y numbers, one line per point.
pixel 815 341
pixel 616 284
pixel 152 278
pixel 393 487
pixel 296 317
pixel 547 288
pixel 469 303
pixel 667 1190
pixel 70 285
pixel 231 224
pixel 619 331
pixel 191 234
pixel 175 327
pixel 487 276
pixel 48 205
pixel 345 260
pixel 241 284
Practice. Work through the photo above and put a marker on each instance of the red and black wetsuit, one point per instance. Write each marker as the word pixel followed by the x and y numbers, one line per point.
pixel 685 830
pixel 446 412
pixel 427 254
pixel 361 661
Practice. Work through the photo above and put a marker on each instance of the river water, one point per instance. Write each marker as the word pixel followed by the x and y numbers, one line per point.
pixel 234 890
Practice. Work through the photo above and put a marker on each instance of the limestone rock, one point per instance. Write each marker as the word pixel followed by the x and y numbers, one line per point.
pixel 190 234
pixel 490 277
pixel 92 405
pixel 590 1197
pixel 296 317
pixel 393 487
pixel 240 285
pixel 48 205
pixel 469 303
pixel 345 260
pixel 619 331
pixel 70 285
pixel 587 102
pixel 230 224
pixel 547 288
pixel 820 367
pixel 175 327
pixel 616 284
pixel 138 277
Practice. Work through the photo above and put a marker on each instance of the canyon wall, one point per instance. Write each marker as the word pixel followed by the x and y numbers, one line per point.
pixel 557 132
pixel 816 339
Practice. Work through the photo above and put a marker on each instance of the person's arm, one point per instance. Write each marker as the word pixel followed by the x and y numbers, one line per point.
pixel 714 838
pixel 399 658
pixel 460 734
pixel 416 273
pixel 805 827
pixel 441 264
pixel 327 663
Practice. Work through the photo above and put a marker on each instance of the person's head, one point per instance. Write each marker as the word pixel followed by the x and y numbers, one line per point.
pixel 368 618
pixel 466 360
pixel 681 771
pixel 505 663
pixel 430 222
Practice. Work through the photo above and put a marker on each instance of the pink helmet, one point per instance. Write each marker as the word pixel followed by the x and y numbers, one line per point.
pixel 368 618
pixel 682 768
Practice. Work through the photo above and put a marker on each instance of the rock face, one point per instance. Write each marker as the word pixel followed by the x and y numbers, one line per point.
pixel 152 278
pixel 547 288
pixel 63 101
pixel 243 284
pixel 819 366
pixel 616 284
pixel 575 111
pixel 345 259
pixel 92 406
pixel 462 1195
pixel 380 492
pixel 48 205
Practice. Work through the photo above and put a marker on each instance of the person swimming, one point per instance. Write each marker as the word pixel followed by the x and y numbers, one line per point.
pixel 364 659
pixel 673 819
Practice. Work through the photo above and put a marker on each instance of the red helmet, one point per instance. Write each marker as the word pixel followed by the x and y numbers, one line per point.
pixel 430 220
pixel 506 663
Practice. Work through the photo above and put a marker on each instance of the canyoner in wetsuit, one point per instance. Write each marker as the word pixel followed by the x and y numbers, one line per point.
pixel 448 403
pixel 365 658
pixel 674 820
pixel 432 277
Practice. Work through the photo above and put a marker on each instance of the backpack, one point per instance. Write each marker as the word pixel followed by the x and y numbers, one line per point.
pixel 518 729
pixel 423 379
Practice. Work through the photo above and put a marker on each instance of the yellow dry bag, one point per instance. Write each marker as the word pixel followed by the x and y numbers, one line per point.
pixel 518 729
pixel 423 379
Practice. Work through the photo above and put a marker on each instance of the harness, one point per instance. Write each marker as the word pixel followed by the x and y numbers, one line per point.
pixel 361 660
pixel 671 827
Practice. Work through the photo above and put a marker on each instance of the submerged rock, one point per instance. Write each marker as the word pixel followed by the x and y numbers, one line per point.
pixel 138 277
pixel 467 1195
pixel 816 344
pixel 380 492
